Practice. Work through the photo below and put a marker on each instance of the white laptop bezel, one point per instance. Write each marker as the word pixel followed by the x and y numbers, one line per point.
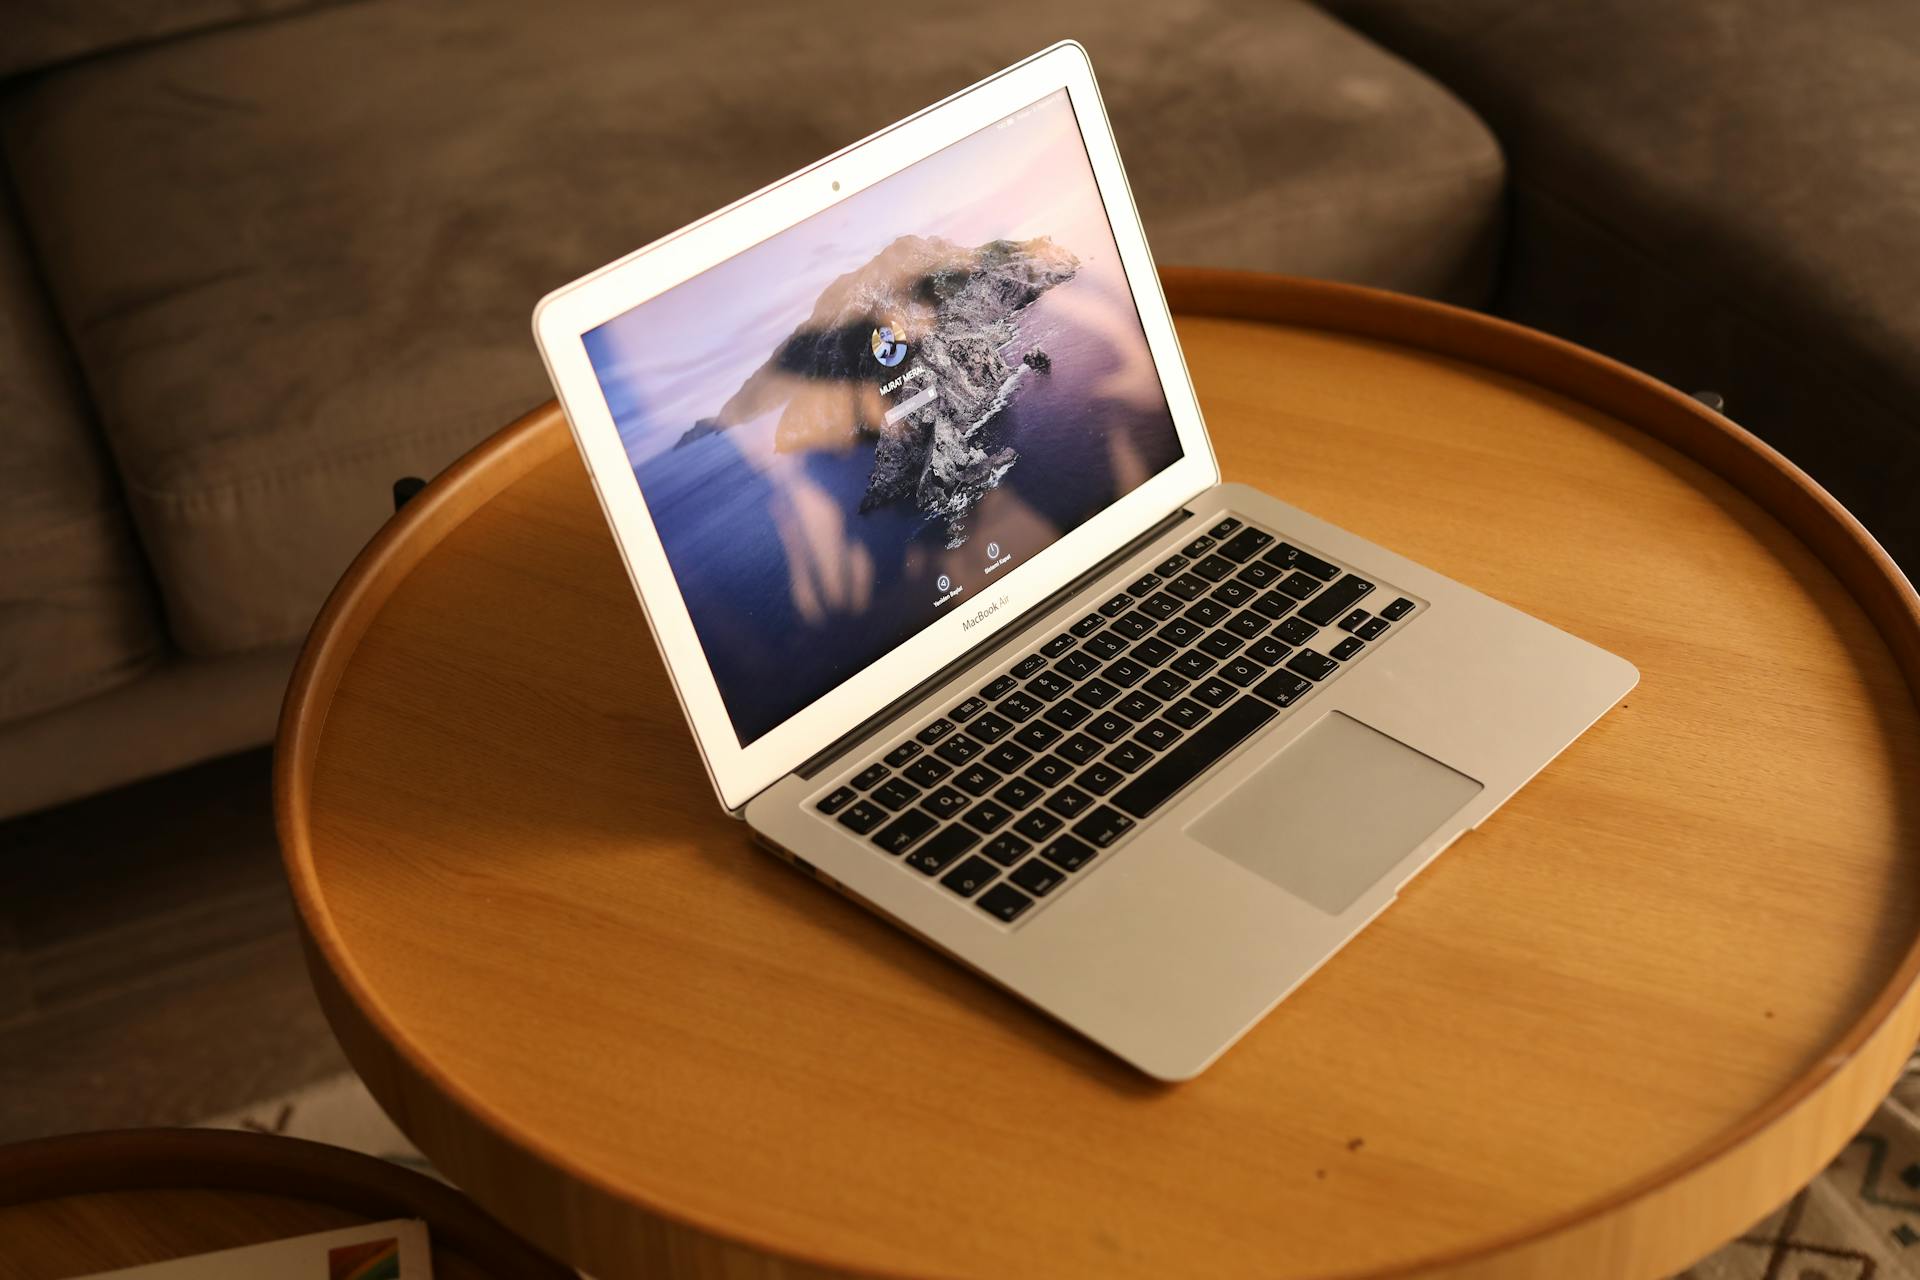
pixel 563 317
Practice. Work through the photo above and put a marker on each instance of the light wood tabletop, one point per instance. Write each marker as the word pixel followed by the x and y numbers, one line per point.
pixel 1634 1011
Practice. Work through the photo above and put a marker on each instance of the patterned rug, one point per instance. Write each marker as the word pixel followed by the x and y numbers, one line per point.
pixel 1858 1220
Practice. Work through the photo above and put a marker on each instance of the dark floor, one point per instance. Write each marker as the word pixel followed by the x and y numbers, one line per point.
pixel 149 969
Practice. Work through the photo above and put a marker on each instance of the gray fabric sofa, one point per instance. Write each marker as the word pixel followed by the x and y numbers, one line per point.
pixel 258 259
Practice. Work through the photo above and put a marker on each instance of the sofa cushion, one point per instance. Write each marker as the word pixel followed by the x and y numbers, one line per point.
pixel 299 258
pixel 41 33
pixel 1723 192
pixel 76 612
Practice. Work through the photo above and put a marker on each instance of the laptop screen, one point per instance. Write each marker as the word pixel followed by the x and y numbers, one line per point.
pixel 865 421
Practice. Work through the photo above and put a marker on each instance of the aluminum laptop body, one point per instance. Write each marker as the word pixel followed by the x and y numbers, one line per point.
pixel 902 457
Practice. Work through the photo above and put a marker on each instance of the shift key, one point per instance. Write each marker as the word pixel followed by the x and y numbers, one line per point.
pixel 1335 601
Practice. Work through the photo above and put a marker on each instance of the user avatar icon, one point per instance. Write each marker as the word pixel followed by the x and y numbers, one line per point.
pixel 888 349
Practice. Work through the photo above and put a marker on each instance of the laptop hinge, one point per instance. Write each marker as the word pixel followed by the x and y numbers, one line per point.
pixel 1010 635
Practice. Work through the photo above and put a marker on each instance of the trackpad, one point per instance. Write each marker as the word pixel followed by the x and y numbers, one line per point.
pixel 1334 811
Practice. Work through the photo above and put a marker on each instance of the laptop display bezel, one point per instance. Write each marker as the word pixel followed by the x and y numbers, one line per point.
pixel 739 772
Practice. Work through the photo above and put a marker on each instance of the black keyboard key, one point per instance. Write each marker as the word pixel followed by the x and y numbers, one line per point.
pixel 968 709
pixel 1157 734
pixel 1291 557
pixel 897 836
pixel 1312 665
pixel 1037 825
pixel 835 800
pixel 1246 625
pixel 1018 706
pixel 1397 610
pixel 1077 666
pixel 1165 685
pixel 1037 878
pixel 976 779
pixel 896 793
pixel 1283 687
pixel 1103 826
pixel 1037 736
pixel 998 688
pixel 1006 848
pixel 1106 644
pixel 1187 713
pixel 1049 686
pixel 1213 568
pixel 1057 646
pixel 944 803
pixel 1181 632
pixel 1198 547
pixel 1187 587
pixel 1241 671
pixel 1220 644
pixel 1214 692
pixel 901 754
pixel 1004 903
pixel 970 877
pixel 1225 527
pixel 1069 854
pixel 1192 664
pixel 1152 652
pixel 1202 749
pixel 1049 771
pixel 1207 612
pixel 1066 713
pixel 868 776
pixel 1069 802
pixel 1296 630
pixel 1097 693
pixel 1133 625
pixel 1272 605
pixel 926 772
pixel 1160 605
pixel 1232 594
pixel 935 731
pixel 1371 630
pixel 1299 585
pixel 1170 566
pixel 1137 706
pixel 1115 606
pixel 1355 620
pixel 1109 726
pixel 933 857
pixel 1028 665
pixel 863 817
pixel 1019 793
pixel 1088 625
pixel 1126 672
pixel 990 728
pixel 1348 648
pixel 1143 586
pixel 1258 574
pixel 1335 600
pixel 1078 749
pixel 1130 756
pixel 1007 757
pixel 958 749
pixel 987 816
pixel 1100 778
pixel 1246 544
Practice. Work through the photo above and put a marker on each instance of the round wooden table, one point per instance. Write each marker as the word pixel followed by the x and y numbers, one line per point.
pixel 92 1202
pixel 1605 1032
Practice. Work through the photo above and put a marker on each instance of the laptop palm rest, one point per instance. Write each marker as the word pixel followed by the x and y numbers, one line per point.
pixel 1334 811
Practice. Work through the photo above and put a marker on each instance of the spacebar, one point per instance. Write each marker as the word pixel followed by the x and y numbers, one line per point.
pixel 1193 757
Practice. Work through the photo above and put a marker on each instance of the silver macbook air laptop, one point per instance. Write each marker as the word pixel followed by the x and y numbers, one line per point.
pixel 902 457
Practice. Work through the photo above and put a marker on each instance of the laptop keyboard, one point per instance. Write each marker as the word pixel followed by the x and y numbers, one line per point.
pixel 1009 797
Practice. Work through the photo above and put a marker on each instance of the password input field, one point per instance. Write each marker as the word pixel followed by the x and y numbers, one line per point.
pixel 912 402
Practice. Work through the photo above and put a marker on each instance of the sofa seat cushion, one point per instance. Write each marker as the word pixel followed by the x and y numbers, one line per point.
pixel 43 32
pixel 1725 193
pixel 299 257
pixel 77 615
